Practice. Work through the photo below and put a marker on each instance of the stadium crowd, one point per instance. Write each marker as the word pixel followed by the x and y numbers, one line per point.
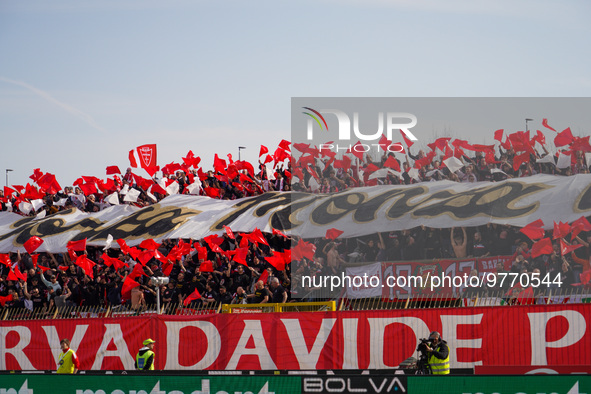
pixel 254 267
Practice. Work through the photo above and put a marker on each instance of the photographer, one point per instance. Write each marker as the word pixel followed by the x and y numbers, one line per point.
pixel 438 354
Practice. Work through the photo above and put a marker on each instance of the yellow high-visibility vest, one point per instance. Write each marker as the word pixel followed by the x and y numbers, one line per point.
pixel 439 366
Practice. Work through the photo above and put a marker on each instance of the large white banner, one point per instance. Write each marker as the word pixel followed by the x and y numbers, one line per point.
pixel 357 212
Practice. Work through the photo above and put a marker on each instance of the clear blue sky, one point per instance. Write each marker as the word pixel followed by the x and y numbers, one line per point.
pixel 82 82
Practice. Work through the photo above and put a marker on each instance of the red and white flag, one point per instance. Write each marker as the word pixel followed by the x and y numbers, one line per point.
pixel 143 156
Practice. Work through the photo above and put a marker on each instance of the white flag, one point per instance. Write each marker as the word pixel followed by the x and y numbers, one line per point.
pixel 153 197
pixel 495 170
pixel 194 187
pixel 131 195
pixel 25 207
pixel 453 163
pixel 314 186
pixel 108 242
pixel 563 161
pixel 549 158
pixel 61 202
pixel 414 173
pixel 38 203
pixel 112 199
pixel 173 188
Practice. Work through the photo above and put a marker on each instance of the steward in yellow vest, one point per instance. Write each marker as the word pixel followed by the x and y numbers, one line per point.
pixel 68 360
pixel 438 355
pixel 144 360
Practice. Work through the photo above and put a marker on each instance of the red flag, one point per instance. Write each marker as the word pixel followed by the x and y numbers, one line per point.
pixel 518 160
pixel 560 230
pixel 229 232
pixel 32 244
pixel 279 233
pixel 167 268
pixel 264 276
pixel 144 156
pixel 585 277
pixel 581 224
pixel 263 150
pixel 49 183
pixel 213 240
pixel 276 261
pixel 392 163
pixel 37 174
pixel 280 154
pixel 137 271
pixel 5 259
pixel 86 264
pixel 240 255
pixel 564 138
pixel 149 244
pixel 212 192
pixel 78 246
pixel 123 246
pixel 191 297
pixel 19 274
pixel 11 276
pixel 5 299
pixel 72 254
pixel 303 249
pixel 333 233
pixel 8 191
pixel 540 138
pixel 566 249
pixel 545 124
pixel 499 135
pixel 152 170
pixel 128 284
pixel 191 160
pixel 113 170
pixel 258 237
pixel 232 171
pixel 384 143
pixel 219 164
pixel 206 266
pixel 581 144
pixel 201 252
pixel 534 230
pixel 408 142
pixel 543 246
pixel 145 256
pixel 284 145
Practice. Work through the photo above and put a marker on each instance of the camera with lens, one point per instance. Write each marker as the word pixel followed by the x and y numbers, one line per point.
pixel 423 344
pixel 423 367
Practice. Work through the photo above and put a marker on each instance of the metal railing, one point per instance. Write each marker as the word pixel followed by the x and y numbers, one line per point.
pixel 287 307
pixel 546 296
pixel 79 312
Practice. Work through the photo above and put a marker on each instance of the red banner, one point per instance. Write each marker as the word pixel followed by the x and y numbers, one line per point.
pixel 490 336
